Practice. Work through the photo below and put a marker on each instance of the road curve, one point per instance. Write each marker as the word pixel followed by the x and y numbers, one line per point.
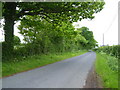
pixel 69 73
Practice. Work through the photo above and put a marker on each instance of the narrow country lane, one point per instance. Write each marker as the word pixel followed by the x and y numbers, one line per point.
pixel 69 73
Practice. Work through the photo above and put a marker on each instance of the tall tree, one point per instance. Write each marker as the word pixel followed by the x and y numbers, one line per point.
pixel 51 11
pixel 9 16
pixel 45 34
pixel 91 42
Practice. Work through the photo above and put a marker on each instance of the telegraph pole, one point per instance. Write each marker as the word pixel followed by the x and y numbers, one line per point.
pixel 103 39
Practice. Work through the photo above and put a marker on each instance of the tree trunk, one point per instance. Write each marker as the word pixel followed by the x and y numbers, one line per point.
pixel 9 16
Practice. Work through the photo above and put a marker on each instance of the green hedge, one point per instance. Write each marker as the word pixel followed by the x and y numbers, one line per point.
pixel 111 50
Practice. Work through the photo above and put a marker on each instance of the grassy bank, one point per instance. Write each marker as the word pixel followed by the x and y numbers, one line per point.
pixel 15 66
pixel 107 69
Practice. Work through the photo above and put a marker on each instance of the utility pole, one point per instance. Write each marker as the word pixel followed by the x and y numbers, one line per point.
pixel 103 39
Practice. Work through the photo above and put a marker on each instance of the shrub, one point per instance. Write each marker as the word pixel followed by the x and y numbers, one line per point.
pixel 111 50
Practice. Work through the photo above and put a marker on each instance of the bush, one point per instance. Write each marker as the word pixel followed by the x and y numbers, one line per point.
pixel 111 50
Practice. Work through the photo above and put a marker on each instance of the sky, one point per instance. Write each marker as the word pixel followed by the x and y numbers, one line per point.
pixel 105 22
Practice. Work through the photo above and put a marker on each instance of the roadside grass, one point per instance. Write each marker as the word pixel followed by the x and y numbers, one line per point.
pixel 107 69
pixel 31 62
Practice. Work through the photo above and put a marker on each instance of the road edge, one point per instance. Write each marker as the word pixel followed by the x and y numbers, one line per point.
pixel 93 79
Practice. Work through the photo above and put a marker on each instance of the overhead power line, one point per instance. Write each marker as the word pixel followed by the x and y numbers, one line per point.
pixel 111 23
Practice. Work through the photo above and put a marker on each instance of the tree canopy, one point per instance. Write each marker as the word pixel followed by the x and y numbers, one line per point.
pixel 88 35
pixel 47 37
pixel 53 12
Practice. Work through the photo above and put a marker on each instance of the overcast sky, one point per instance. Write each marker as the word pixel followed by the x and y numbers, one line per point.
pixel 105 22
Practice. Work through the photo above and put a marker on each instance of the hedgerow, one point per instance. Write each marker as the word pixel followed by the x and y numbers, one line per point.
pixel 112 55
pixel 111 50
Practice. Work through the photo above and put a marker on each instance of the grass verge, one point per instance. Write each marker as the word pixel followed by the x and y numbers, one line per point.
pixel 107 69
pixel 31 62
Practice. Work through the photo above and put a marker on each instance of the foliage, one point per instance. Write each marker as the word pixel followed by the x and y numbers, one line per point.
pixel 113 63
pixel 107 68
pixel 51 12
pixel 111 50
pixel 45 37
pixel 0 11
pixel 108 64
pixel 16 40
pixel 72 11
pixel 88 35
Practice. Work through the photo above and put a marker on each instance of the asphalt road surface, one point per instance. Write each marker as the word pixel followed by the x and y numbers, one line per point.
pixel 69 73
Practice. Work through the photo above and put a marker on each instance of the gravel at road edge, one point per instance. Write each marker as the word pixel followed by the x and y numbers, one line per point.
pixel 93 80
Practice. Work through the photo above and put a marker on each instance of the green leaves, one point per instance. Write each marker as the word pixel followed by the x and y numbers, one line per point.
pixel 89 41
pixel 42 22
pixel 55 11
pixel 55 37
pixel 111 50
pixel 0 10
pixel 16 40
